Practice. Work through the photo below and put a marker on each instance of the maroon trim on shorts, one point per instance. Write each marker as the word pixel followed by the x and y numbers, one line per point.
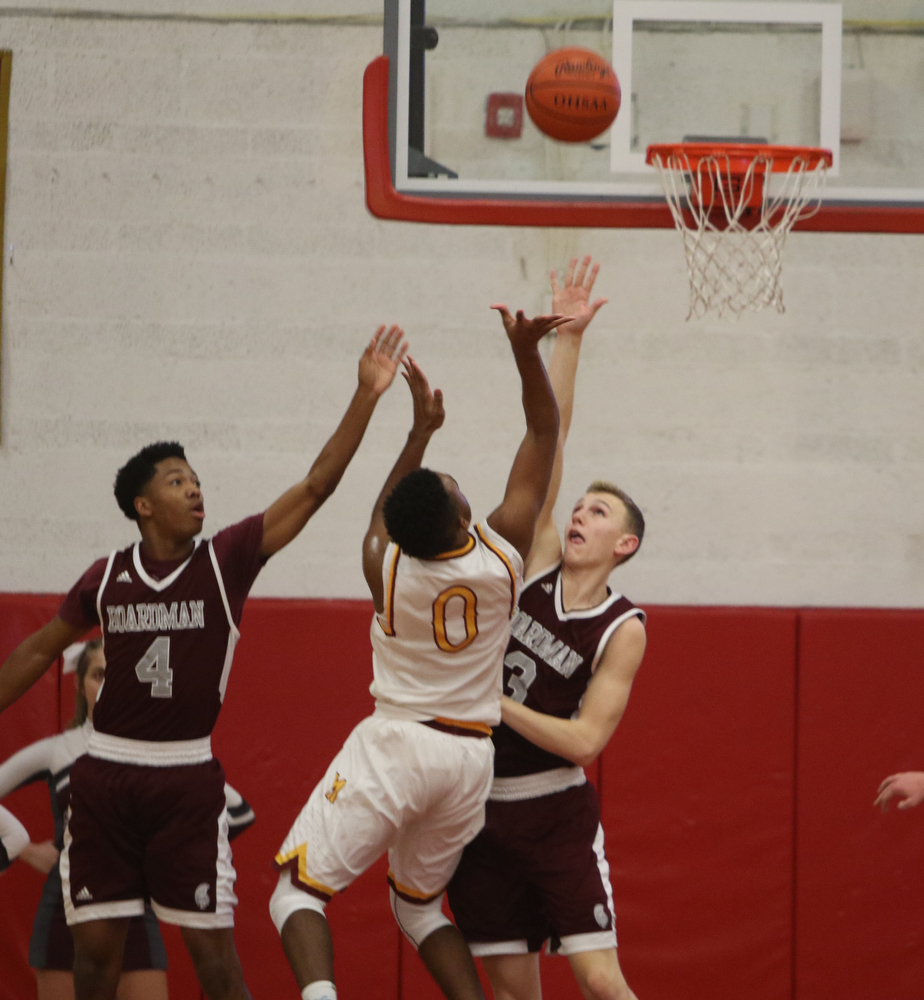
pixel 292 865
pixel 419 899
pixel 446 727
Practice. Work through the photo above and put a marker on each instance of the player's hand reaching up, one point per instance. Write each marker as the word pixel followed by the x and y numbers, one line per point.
pixel 428 404
pixel 523 332
pixel 381 358
pixel 572 297
pixel 907 786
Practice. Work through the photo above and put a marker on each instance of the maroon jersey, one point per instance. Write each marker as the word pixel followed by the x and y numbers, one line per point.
pixel 169 632
pixel 551 657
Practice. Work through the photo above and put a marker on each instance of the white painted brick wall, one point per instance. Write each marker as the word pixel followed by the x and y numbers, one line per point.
pixel 192 259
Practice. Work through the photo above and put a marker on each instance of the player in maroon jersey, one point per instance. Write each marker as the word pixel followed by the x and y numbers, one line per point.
pixel 147 815
pixel 537 871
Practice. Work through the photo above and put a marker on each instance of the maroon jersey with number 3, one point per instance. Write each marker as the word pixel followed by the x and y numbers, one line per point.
pixel 169 632
pixel 550 660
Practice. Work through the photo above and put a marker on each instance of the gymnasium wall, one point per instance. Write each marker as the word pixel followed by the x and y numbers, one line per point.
pixel 188 255
pixel 747 859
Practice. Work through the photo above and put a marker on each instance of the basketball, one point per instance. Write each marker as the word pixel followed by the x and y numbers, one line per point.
pixel 572 94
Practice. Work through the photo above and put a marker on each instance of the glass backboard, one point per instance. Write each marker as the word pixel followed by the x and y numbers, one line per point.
pixel 845 77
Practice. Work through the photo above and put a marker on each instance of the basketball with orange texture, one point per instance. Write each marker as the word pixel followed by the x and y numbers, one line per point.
pixel 572 94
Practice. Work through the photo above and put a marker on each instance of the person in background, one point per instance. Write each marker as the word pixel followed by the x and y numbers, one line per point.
pixel 51 947
pixel 907 786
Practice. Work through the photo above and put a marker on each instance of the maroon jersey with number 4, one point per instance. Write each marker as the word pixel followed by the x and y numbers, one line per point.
pixel 169 632
pixel 550 660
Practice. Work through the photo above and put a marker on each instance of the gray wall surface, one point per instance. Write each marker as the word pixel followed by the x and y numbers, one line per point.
pixel 188 255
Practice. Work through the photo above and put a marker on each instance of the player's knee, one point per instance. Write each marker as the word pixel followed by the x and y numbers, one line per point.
pixel 418 920
pixel 604 984
pixel 286 900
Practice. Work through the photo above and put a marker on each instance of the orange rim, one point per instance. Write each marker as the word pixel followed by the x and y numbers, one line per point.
pixel 739 155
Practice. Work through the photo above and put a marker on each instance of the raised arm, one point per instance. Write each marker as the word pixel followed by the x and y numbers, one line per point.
pixel 515 518
pixel 570 298
pixel 582 739
pixel 33 656
pixel 291 512
pixel 428 418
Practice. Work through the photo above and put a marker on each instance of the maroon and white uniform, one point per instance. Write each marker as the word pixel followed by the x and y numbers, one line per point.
pixel 537 871
pixel 147 817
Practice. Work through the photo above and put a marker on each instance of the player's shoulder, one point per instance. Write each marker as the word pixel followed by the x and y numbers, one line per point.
pixel 622 645
pixel 97 569
pixel 243 533
pixel 495 542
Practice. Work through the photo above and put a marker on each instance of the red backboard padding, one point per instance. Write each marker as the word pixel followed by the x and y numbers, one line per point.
pixel 860 873
pixel 697 790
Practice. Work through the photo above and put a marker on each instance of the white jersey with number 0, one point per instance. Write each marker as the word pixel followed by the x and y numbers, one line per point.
pixel 438 647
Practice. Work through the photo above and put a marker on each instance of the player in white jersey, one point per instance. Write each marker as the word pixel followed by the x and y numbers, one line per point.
pixel 413 777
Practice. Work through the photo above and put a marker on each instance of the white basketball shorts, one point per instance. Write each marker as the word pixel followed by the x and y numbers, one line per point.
pixel 395 786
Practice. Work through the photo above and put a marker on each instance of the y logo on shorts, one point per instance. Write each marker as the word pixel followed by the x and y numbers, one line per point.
pixel 202 896
pixel 335 791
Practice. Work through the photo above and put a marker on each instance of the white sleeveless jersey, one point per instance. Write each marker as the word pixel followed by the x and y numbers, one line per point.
pixel 438 647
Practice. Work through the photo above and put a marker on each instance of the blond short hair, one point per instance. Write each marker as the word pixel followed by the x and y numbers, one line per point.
pixel 634 516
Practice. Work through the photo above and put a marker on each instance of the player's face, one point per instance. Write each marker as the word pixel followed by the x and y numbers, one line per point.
pixel 452 488
pixel 595 530
pixel 174 497
pixel 93 679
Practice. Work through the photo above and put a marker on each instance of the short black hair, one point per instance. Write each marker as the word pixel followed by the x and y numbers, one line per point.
pixel 138 471
pixel 420 515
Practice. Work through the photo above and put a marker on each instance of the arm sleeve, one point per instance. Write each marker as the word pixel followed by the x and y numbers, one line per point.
pixel 237 549
pixel 240 815
pixel 32 763
pixel 79 607
pixel 13 838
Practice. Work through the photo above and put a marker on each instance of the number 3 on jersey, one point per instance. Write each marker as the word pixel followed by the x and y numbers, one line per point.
pixel 522 674
pixel 154 668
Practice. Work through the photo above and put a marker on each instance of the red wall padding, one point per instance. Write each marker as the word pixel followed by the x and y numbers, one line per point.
pixel 748 731
pixel 860 873
pixel 698 807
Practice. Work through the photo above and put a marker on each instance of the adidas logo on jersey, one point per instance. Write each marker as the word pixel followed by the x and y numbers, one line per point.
pixel 84 896
pixel 548 587
pixel 124 577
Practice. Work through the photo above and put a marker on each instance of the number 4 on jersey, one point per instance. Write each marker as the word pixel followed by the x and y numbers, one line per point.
pixel 154 668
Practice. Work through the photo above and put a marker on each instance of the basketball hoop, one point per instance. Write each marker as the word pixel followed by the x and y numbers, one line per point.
pixel 733 226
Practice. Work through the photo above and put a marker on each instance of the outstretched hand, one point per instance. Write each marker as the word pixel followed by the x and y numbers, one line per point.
pixel 524 332
pixel 428 404
pixel 908 786
pixel 572 297
pixel 380 360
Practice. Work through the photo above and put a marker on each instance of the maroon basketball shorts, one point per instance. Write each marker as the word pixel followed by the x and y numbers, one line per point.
pixel 136 833
pixel 536 872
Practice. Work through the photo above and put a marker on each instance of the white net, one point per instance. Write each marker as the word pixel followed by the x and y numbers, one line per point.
pixel 734 224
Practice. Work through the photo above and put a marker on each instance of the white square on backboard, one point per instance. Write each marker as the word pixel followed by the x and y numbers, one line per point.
pixel 828 16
